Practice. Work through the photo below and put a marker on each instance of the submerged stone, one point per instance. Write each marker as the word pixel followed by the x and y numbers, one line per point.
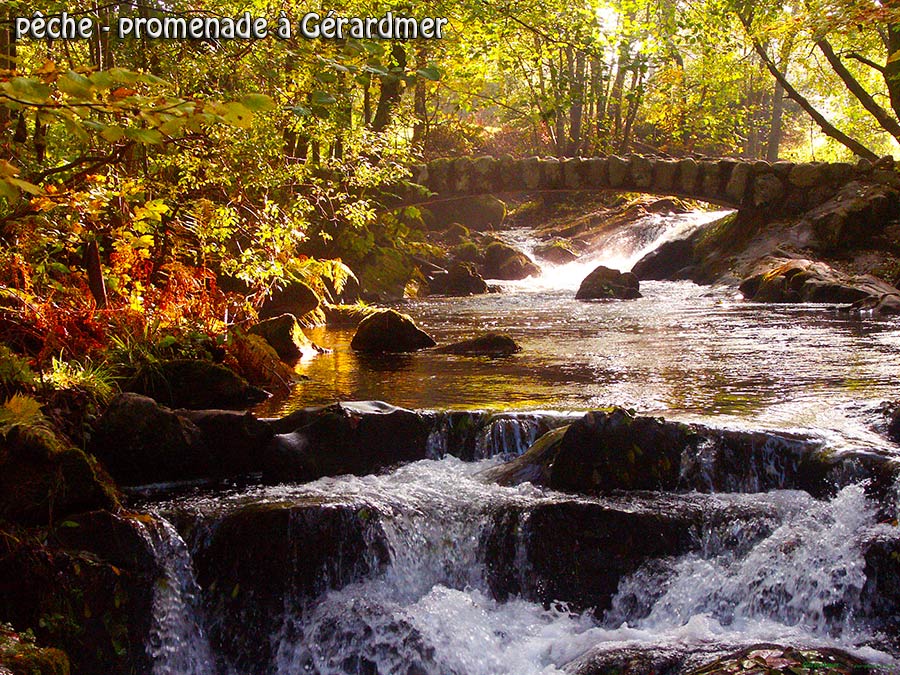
pixel 489 344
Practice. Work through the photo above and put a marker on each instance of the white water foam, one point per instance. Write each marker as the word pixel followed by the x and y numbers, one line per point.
pixel 620 251
pixel 430 613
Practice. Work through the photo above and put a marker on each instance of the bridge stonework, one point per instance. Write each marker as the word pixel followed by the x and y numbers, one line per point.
pixel 778 186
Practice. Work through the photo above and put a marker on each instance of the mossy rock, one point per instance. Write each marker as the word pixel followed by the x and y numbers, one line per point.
pixel 503 261
pixel 256 360
pixel 768 659
pixel 19 655
pixel 347 316
pixel 195 384
pixel 390 331
pixel 295 298
pixel 468 252
pixel 605 283
pixel 286 337
pixel 43 478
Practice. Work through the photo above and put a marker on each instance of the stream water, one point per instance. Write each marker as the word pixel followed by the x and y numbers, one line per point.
pixel 779 566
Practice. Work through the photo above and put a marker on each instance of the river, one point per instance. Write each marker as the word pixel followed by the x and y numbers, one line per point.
pixel 424 597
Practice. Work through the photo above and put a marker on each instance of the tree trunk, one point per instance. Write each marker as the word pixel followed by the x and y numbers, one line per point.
pixel 775 131
pixel 95 273
pixel 7 59
pixel 884 118
pixel 892 67
pixel 419 104
pixel 390 91
pixel 827 127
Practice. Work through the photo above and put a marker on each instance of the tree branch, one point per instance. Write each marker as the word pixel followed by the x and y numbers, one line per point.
pixel 827 127
pixel 883 116
pixel 862 59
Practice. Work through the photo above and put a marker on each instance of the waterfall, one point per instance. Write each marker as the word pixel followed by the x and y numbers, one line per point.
pixel 177 644
pixel 620 250
pixel 780 566
pixel 483 435
pixel 807 576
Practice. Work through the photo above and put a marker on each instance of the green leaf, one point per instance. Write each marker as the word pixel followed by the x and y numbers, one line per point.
pixel 75 84
pixel 147 136
pixel 112 134
pixel 76 129
pixel 300 111
pixel 237 115
pixel 25 186
pixel 429 73
pixel 27 89
pixel 322 98
pixel 258 102
pixel 7 191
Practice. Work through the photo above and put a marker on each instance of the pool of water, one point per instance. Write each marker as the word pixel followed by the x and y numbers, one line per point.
pixel 682 350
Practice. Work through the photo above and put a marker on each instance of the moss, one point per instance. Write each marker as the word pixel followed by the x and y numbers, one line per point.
pixel 43 478
pixel 20 655
pixel 467 252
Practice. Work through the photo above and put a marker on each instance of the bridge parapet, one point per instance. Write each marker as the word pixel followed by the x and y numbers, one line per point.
pixel 780 186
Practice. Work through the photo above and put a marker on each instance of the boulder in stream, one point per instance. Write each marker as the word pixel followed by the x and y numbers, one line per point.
pixel 390 331
pixel 345 438
pixel 461 279
pixel 295 298
pixel 503 261
pixel 286 337
pixel 141 442
pixel 605 283
pixel 490 344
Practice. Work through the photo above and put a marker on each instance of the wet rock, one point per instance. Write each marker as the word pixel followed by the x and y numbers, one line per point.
pixel 768 659
pixel 295 298
pixel 502 261
pixel 142 442
pixel 460 280
pixel 489 344
pixel 390 331
pixel 256 360
pixel 615 449
pixel 19 655
pixel 578 552
pixel 558 252
pixel 478 212
pixel 605 283
pixel 286 337
pixel 43 478
pixel 237 441
pixel 260 559
pixel 665 261
pixel 881 594
pixel 887 304
pixel 533 466
pixel 195 384
pixel 89 590
pixel 345 438
pixel 800 280
pixel 714 659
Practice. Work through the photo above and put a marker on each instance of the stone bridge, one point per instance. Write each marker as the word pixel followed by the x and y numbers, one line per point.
pixel 779 187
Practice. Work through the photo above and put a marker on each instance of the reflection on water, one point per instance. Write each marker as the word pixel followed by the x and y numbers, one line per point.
pixel 682 350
